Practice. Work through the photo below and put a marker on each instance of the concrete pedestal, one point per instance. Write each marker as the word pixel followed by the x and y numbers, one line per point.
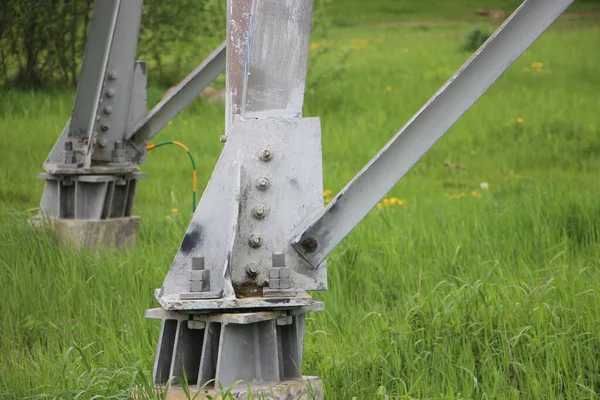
pixel 305 388
pixel 95 235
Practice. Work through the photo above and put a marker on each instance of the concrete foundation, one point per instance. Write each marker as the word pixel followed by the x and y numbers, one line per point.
pixel 305 388
pixel 95 235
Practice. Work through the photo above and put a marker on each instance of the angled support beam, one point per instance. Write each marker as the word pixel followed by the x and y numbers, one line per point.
pixel 91 79
pixel 321 234
pixel 183 94
pixel 102 107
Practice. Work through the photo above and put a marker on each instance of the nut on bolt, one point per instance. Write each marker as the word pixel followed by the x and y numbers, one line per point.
pixel 266 155
pixel 252 270
pixel 198 263
pixel 310 244
pixel 262 183
pixel 255 241
pixel 259 211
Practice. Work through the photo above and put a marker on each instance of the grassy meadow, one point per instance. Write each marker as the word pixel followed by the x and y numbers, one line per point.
pixel 478 277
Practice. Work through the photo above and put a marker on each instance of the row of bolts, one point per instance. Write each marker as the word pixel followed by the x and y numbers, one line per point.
pixel 119 147
pixel 255 241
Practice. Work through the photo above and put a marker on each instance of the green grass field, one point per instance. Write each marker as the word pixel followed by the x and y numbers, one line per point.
pixel 445 291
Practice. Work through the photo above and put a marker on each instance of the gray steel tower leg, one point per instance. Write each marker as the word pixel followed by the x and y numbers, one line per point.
pixel 91 173
pixel 91 176
pixel 234 301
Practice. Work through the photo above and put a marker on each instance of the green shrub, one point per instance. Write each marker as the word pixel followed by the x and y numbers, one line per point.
pixel 475 38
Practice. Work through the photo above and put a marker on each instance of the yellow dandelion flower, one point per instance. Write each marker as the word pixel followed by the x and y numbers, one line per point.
pixel 327 192
pixel 386 202
pixel 519 120
pixel 174 210
pixel 394 201
pixel 538 64
pixel 379 206
pixel 401 202
pixel 359 44
pixel 388 88
pixel 475 193
pixel 170 122
pixel 327 200
pixel 314 46
pixel 168 217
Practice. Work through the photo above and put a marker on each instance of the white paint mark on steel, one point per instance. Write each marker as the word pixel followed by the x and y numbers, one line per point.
pixel 277 61
pixel 238 17
pixel 351 205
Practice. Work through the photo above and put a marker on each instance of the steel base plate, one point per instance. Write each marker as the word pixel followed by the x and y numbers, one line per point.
pixel 176 303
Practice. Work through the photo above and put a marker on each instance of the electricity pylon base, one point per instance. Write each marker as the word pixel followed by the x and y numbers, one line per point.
pixel 234 349
pixel 94 235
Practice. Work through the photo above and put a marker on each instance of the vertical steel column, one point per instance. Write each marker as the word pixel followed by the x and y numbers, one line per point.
pixel 235 277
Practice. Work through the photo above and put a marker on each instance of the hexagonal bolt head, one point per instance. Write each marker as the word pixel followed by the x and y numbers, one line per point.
pixel 193 324
pixel 104 126
pixel 262 183
pixel 199 275
pixel 274 283
pixel 273 273
pixel 69 154
pixel 255 241
pixel 284 283
pixel 284 273
pixel 259 212
pixel 199 286
pixel 112 75
pixel 107 110
pixel 278 260
pixel 285 320
pixel 266 155
pixel 252 270
pixel 110 92
pixel 118 154
pixel 197 263
pixel 310 245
